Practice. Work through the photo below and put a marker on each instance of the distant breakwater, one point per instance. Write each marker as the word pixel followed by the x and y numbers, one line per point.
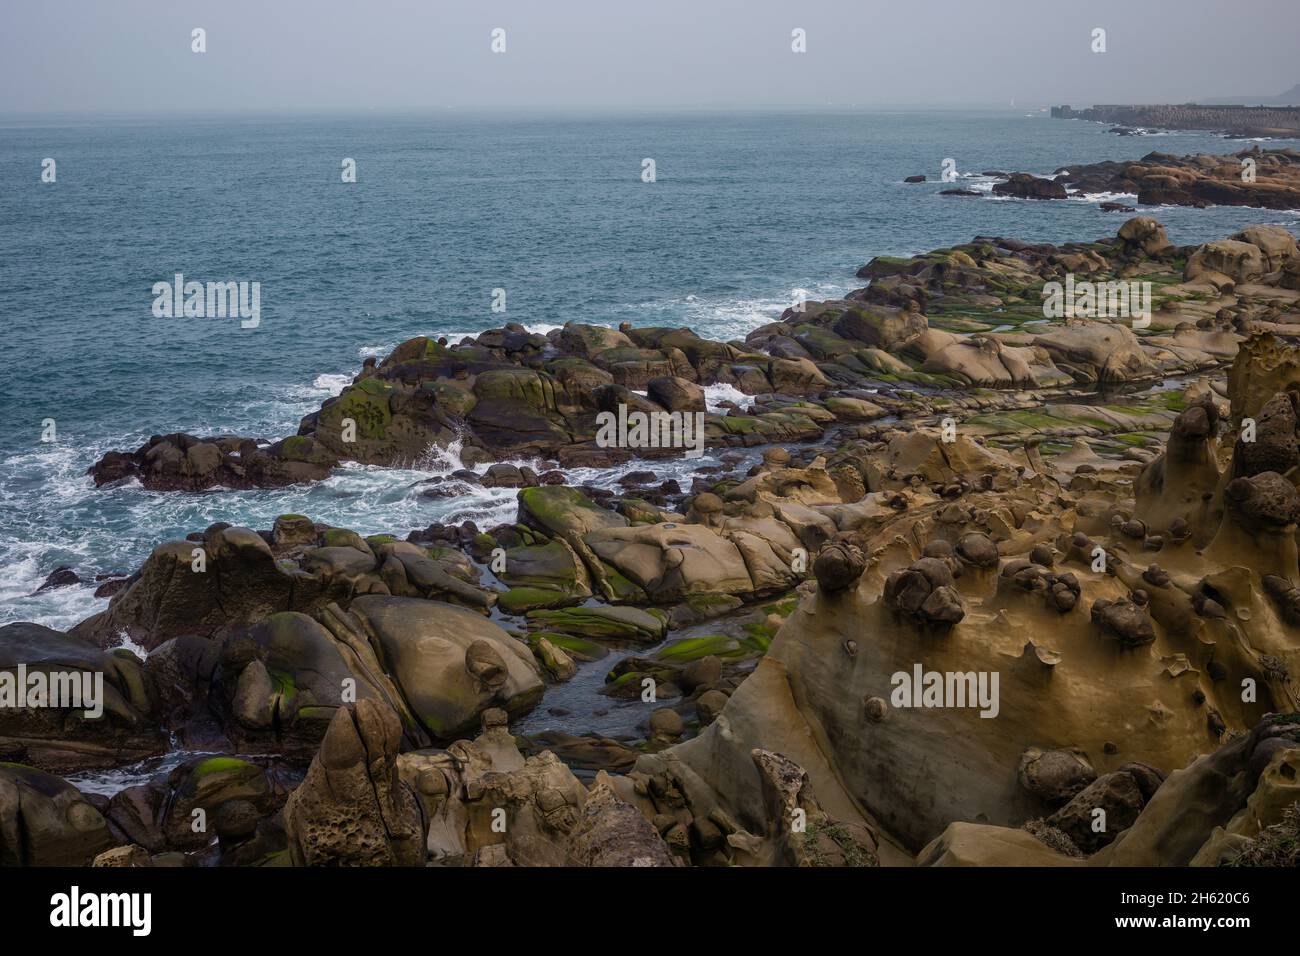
pixel 1242 120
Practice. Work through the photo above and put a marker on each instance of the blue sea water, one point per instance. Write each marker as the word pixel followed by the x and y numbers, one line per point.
pixel 747 212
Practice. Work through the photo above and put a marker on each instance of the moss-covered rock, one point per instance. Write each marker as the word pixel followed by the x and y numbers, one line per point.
pixel 553 566
pixel 65 737
pixel 365 403
pixel 578 648
pixel 521 600
pixel 452 398
pixel 603 623
pixel 693 648
pixel 344 538
pixel 560 510
pixel 200 787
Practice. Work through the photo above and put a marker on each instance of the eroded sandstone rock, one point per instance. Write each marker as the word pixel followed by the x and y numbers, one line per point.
pixel 352 808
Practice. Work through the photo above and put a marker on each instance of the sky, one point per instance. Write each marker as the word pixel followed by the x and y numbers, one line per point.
pixel 115 56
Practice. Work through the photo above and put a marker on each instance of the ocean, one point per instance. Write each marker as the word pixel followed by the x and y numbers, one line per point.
pixel 747 212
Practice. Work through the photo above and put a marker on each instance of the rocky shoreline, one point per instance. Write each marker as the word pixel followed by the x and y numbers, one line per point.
pixel 1262 178
pixel 930 474
pixel 1254 177
pixel 1239 121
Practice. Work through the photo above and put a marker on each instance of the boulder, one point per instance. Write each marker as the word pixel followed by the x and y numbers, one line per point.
pixel 879 326
pixel 198 791
pixel 676 394
pixel 1124 620
pixel 610 832
pixel 81 706
pixel 1144 236
pixel 1276 446
pixel 1239 261
pixel 669 561
pixel 838 566
pixel 45 821
pixel 448 664
pixel 925 591
pixel 283 679
pixel 352 808
pixel 1119 798
pixel 232 578
pixel 1055 776
pixel 1025 186
pixel 1276 245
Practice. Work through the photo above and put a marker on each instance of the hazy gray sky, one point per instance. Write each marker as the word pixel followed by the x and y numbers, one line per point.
pixel 128 55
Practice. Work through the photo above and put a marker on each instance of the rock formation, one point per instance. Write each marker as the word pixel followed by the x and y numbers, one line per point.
pixel 959 581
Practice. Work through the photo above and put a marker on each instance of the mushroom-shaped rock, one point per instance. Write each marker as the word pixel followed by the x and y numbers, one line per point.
pixel 838 566
pixel 1173 489
pixel 706 508
pixel 776 458
pixel 1145 235
pixel 1258 526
